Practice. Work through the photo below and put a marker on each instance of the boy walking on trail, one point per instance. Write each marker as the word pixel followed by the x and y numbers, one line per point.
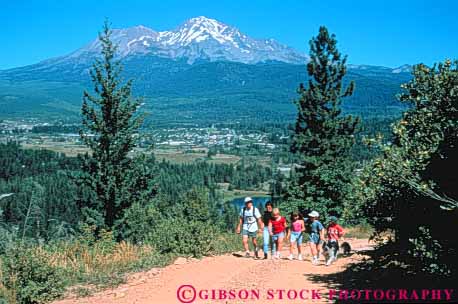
pixel 335 232
pixel 250 221
pixel 316 235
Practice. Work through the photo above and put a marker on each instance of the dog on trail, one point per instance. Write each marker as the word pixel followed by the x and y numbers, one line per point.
pixel 345 248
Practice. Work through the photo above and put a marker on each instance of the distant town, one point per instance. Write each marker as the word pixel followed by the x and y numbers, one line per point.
pixel 177 144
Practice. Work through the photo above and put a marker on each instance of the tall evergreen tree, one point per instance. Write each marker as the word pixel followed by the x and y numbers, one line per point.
pixel 110 123
pixel 323 137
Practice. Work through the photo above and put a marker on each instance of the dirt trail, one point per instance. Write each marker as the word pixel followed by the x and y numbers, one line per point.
pixel 226 272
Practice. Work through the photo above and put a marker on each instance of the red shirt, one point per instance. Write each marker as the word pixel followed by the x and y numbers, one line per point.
pixel 278 225
pixel 335 232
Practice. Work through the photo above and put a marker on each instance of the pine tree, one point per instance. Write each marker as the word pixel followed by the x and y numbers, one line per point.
pixel 110 123
pixel 323 137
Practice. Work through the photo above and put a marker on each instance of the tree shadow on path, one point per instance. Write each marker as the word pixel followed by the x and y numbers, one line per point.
pixel 391 278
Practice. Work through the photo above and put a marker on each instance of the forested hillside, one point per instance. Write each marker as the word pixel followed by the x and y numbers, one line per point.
pixel 202 93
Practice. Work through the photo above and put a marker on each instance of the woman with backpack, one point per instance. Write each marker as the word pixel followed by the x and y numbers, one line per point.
pixel 251 224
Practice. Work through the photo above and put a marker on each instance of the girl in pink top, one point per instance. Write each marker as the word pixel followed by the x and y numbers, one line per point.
pixel 297 227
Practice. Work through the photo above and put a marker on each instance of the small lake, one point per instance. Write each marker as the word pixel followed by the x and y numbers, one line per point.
pixel 258 201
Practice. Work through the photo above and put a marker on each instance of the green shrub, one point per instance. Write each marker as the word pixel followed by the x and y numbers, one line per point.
pixel 138 222
pixel 410 189
pixel 179 236
pixel 426 251
pixel 228 242
pixel 27 271
pixel 188 226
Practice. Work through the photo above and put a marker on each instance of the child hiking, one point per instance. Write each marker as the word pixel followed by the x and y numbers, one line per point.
pixel 297 227
pixel 277 227
pixel 266 217
pixel 316 235
pixel 335 232
pixel 250 221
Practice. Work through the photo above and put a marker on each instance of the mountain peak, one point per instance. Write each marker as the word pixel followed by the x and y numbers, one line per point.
pixel 198 29
pixel 198 38
pixel 202 19
pixel 205 22
pixel 142 27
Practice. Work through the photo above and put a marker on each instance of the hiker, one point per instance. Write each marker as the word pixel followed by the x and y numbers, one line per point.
pixel 334 233
pixel 277 227
pixel 316 235
pixel 266 217
pixel 250 221
pixel 296 228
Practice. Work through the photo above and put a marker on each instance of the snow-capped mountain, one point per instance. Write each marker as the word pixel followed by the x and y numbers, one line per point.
pixel 209 68
pixel 199 38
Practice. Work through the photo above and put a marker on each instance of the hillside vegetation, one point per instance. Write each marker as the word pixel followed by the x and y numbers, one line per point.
pixel 202 93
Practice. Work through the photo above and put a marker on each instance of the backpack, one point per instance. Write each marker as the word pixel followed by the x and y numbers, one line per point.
pixel 254 214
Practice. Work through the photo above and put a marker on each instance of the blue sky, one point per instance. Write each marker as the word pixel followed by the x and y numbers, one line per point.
pixel 388 33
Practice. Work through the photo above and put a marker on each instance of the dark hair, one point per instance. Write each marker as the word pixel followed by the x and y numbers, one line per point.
pixel 268 203
pixel 296 213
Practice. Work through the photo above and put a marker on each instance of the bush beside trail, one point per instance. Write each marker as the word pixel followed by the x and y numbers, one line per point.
pixel 33 273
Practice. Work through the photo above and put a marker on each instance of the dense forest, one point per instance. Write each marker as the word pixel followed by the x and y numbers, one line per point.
pixel 45 180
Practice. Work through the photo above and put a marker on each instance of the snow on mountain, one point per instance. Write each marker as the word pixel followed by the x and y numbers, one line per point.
pixel 199 38
pixel 126 39
pixel 373 69
pixel 406 68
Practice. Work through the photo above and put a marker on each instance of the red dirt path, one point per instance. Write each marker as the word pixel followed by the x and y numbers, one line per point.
pixel 227 272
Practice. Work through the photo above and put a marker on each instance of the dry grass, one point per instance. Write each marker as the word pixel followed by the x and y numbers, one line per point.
pixel 173 155
pixel 8 295
pixel 359 231
pixel 68 149
pixel 73 257
pixel 182 157
pixel 225 159
pixel 178 157
pixel 89 266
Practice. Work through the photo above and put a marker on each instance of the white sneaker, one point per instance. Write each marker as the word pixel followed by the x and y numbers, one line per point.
pixel 328 262
pixel 299 257
pixel 315 262
pixel 290 257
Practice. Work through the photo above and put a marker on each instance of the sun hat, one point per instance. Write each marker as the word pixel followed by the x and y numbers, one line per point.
pixel 332 218
pixel 314 214
pixel 248 199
